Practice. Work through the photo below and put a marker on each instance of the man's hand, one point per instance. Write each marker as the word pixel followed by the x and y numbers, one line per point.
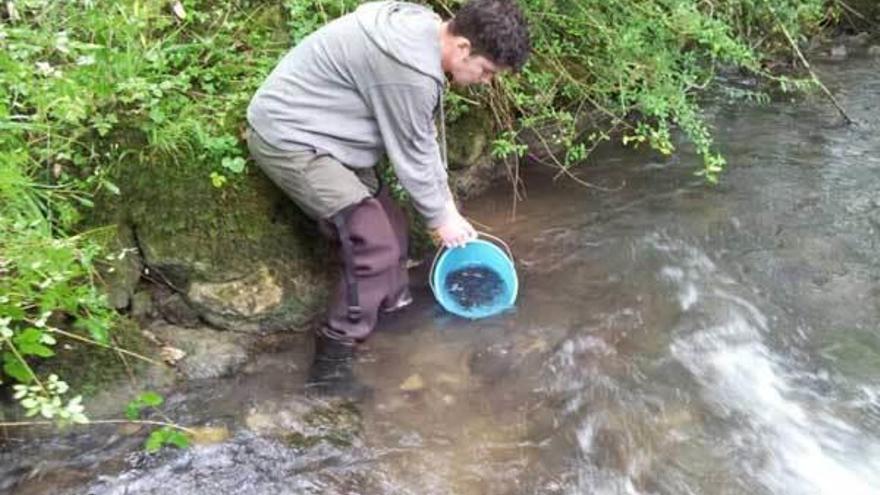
pixel 456 231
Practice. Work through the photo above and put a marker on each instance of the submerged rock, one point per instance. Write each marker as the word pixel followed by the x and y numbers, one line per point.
pixel 208 435
pixel 207 353
pixel 860 39
pixel 414 383
pixel 303 423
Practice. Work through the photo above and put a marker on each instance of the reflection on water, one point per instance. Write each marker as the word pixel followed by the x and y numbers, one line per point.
pixel 670 338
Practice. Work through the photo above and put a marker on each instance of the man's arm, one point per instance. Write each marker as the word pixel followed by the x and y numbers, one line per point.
pixel 404 113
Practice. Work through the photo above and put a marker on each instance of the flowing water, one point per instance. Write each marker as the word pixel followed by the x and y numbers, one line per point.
pixel 670 338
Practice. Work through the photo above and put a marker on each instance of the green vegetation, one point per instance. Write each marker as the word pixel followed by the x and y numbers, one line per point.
pixel 91 89
pixel 637 68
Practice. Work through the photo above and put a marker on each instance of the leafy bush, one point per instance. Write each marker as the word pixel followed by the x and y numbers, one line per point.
pixel 84 87
pixel 639 65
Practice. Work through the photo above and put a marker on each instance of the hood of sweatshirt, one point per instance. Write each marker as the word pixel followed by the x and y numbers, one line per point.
pixel 408 33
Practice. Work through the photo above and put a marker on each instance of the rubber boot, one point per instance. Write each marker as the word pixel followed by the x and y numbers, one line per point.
pixel 331 374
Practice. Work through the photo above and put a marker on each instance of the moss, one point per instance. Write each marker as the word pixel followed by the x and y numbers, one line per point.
pixel 337 425
pixel 89 368
pixel 299 441
pixel 189 230
pixel 854 353
pixel 469 139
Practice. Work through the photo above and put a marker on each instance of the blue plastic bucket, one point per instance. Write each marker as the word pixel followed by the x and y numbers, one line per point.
pixel 478 253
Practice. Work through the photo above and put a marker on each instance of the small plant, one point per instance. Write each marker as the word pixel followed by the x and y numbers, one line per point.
pixel 637 68
pixel 506 146
pixel 168 434
pixel 46 401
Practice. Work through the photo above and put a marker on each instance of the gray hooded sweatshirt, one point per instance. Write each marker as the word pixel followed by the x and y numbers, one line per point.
pixel 365 84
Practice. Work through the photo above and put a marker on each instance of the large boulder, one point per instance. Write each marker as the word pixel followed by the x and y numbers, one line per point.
pixel 242 256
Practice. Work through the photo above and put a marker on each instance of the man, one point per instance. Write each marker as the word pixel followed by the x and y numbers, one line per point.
pixel 369 83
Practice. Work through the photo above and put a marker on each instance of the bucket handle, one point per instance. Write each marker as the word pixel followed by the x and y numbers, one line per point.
pixel 491 237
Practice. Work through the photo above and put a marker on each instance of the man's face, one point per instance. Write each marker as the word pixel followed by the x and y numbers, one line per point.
pixel 472 69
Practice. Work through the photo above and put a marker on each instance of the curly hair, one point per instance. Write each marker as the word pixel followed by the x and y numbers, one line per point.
pixel 496 29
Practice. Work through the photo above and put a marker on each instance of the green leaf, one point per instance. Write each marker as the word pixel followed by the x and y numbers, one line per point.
pixel 84 201
pixel 156 439
pixel 132 411
pixel 165 436
pixel 97 330
pixel 142 401
pixel 36 350
pixel 13 367
pixel 233 164
pixel 178 439
pixel 217 180
pixel 150 399
pixel 30 343
pixel 157 115
pixel 113 188
pixel 28 337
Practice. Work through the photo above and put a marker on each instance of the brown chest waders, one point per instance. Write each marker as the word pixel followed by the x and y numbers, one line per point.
pixel 373 243
pixel 355 312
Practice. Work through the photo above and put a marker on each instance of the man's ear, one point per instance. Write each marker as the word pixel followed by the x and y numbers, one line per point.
pixel 464 46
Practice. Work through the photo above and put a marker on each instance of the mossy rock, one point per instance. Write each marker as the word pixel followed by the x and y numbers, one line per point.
pixel 192 234
pixel 123 270
pixel 469 139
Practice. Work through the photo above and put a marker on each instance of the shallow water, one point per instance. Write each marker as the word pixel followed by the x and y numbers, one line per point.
pixel 669 338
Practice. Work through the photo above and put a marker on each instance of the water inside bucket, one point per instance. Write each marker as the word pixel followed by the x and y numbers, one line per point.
pixel 474 286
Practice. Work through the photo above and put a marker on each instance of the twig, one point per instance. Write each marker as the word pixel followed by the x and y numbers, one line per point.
pixel 128 369
pixel 590 185
pixel 502 117
pixel 852 10
pixel 516 180
pixel 815 78
pixel 596 143
pixel 103 422
pixel 563 169
pixel 479 224
pixel 107 346
pixel 24 363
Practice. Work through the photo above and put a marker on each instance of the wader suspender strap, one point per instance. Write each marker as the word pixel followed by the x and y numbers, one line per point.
pixel 354 309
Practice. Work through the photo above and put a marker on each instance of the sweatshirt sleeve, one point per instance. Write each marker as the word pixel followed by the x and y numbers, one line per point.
pixel 405 114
